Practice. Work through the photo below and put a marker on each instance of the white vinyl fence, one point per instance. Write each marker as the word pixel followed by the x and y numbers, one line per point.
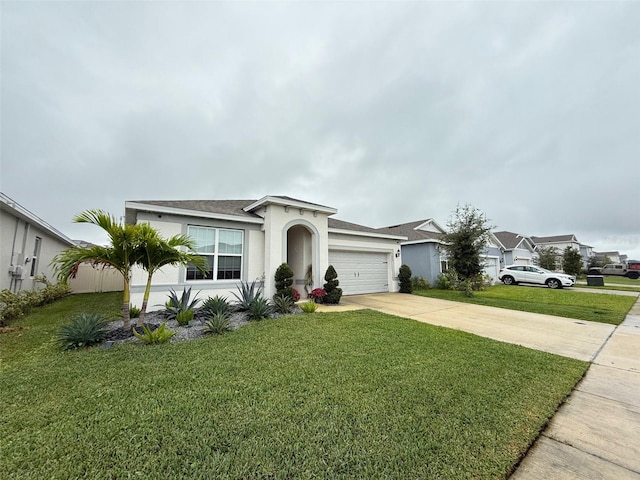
pixel 96 279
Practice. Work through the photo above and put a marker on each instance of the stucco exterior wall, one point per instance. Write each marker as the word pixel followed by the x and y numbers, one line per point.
pixel 423 259
pixel 175 277
pixel 17 242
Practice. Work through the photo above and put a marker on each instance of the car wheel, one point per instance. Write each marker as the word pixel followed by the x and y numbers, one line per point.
pixel 553 283
pixel 507 280
pixel 633 275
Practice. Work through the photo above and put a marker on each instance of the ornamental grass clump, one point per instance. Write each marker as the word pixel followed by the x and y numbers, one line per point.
pixel 154 337
pixel 308 307
pixel 183 318
pixel 85 330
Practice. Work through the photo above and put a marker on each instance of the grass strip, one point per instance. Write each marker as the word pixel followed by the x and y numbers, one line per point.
pixel 593 307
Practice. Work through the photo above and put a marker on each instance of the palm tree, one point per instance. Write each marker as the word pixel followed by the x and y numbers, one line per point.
pixel 155 252
pixel 122 253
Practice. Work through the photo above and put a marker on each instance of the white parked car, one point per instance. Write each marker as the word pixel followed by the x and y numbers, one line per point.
pixel 514 274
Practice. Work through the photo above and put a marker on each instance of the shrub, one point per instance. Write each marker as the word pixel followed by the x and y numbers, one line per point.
pixel 419 283
pixel 134 312
pixel 308 307
pixel 217 324
pixel 153 337
pixel 446 281
pixel 217 304
pixel 282 304
pixel 331 287
pixel 317 295
pixel 15 305
pixel 404 277
pixel 259 309
pixel 183 318
pixel 85 329
pixel 284 280
pixel 176 305
pixel 247 294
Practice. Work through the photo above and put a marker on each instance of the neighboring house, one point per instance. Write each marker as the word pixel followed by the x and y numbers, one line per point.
pixel 516 249
pixel 561 243
pixel 246 240
pixel 27 246
pixel 421 253
pixel 586 252
pixel 420 249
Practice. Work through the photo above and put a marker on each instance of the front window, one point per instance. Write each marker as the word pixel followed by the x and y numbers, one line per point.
pixel 221 248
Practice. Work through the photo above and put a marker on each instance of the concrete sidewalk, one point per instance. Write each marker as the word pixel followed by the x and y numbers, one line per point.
pixel 596 433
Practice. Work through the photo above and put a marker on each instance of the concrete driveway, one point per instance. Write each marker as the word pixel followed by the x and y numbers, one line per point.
pixel 563 336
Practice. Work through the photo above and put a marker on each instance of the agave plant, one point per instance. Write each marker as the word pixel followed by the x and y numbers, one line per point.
pixel 282 304
pixel 85 329
pixel 214 305
pixel 217 324
pixel 177 304
pixel 247 294
pixel 259 309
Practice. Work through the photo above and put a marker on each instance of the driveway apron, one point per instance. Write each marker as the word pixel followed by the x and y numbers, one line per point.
pixel 596 433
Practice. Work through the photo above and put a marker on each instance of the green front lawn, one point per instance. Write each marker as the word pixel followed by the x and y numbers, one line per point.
pixel 594 307
pixel 337 395
pixel 612 282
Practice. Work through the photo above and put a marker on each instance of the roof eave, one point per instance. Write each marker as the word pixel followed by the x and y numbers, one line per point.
pixel 138 206
pixel 270 200
pixel 366 234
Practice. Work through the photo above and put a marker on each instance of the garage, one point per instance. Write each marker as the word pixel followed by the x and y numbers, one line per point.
pixel 491 268
pixel 361 272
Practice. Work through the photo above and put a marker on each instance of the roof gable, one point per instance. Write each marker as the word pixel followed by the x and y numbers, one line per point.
pixel 511 240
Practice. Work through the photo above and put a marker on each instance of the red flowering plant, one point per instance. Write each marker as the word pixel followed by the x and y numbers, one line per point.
pixel 295 296
pixel 317 294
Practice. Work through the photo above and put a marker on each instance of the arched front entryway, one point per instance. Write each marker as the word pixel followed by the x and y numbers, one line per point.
pixel 301 254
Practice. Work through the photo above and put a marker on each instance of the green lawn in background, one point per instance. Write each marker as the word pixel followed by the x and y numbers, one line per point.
pixel 595 307
pixel 612 282
pixel 336 395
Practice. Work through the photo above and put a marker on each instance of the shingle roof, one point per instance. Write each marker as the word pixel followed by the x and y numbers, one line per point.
pixel 235 207
pixel 342 225
pixel 409 230
pixel 555 238
pixel 226 207
pixel 509 239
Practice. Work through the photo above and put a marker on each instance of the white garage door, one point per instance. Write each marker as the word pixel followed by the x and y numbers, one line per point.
pixel 360 272
pixel 491 268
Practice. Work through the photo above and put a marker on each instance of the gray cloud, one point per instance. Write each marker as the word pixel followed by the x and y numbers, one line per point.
pixel 389 112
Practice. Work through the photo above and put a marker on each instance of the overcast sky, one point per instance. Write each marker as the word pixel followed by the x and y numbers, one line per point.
pixel 388 111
